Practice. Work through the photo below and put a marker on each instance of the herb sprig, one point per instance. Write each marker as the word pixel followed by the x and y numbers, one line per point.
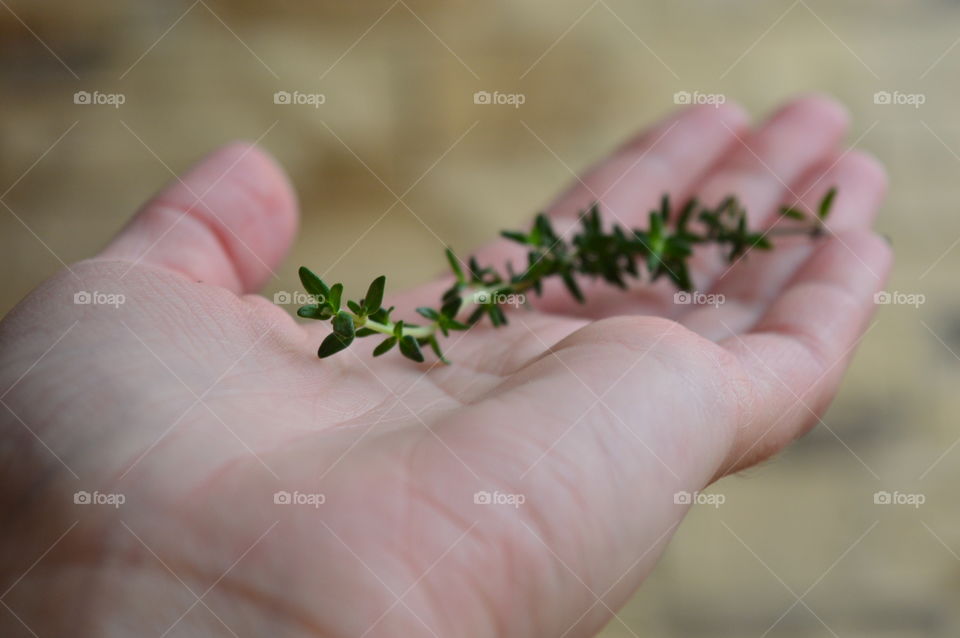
pixel 615 255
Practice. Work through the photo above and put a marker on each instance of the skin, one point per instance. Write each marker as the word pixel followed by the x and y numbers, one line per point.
pixel 197 400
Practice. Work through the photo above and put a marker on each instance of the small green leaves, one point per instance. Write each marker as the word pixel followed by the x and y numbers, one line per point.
pixel 336 292
pixel 385 346
pixel 429 313
pixel 827 203
pixel 455 265
pixel 313 284
pixel 374 297
pixel 685 214
pixel 322 309
pixel 314 311
pixel 435 346
pixel 572 286
pixel 343 326
pixel 513 235
pixel 615 255
pixel 655 231
pixel 792 213
pixel 411 349
pixel 342 336
pixel 330 346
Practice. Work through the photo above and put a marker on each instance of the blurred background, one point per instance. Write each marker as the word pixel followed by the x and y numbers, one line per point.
pixel 398 160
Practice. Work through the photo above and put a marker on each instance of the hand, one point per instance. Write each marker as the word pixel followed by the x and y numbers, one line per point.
pixel 195 402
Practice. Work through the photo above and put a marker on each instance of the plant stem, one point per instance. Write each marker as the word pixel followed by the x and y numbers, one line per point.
pixel 470 295
pixel 422 332
pixel 597 252
pixel 417 332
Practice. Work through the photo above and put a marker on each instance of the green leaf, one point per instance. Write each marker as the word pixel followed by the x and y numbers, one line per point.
pixel 656 226
pixel 313 311
pixel 454 265
pixel 336 291
pixel 435 346
pixel 411 349
pixel 451 306
pixel 497 317
pixel 686 213
pixel 681 277
pixel 355 307
pixel 398 329
pixel 827 203
pixel 792 213
pixel 513 235
pixel 366 332
pixel 542 232
pixel 332 345
pixel 572 286
pixel 429 313
pixel 385 346
pixel 653 264
pixel 476 315
pixel 313 284
pixel 594 215
pixel 382 315
pixel 343 326
pixel 374 298
pixel 453 324
pixel 535 238
pixel 476 272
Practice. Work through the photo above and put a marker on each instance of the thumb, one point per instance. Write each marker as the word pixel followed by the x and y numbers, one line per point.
pixel 228 221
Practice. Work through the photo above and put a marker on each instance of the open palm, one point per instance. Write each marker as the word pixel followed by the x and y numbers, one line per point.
pixel 239 486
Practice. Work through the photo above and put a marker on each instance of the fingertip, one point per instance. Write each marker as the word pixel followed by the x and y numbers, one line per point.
pixel 861 183
pixel 263 176
pixel 731 115
pixel 876 253
pixel 822 107
pixel 871 170
pixel 252 201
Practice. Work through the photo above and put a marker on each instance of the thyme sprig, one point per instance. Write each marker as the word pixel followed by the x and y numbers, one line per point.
pixel 615 255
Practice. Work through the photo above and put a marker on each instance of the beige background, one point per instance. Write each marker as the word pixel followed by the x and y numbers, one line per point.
pixel 399 79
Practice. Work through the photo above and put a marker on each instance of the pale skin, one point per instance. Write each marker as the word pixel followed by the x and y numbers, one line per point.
pixel 198 400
